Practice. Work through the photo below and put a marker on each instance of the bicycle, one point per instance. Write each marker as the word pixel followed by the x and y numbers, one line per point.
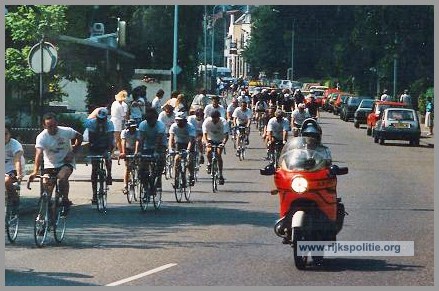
pixel 101 180
pixel 261 123
pixel 12 216
pixel 148 183
pixel 274 153
pixel 169 166
pixel 51 212
pixel 133 178
pixel 241 142
pixel 214 172
pixel 182 180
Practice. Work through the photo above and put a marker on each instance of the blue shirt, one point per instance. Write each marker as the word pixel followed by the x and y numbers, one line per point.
pixel 101 136
pixel 149 135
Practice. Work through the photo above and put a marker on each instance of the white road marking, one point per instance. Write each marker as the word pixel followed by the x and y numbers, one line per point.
pixel 123 281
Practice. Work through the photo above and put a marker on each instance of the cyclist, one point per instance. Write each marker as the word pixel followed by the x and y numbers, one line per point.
pixel 197 121
pixel 200 100
pixel 277 130
pixel 167 116
pixel 101 139
pixel 182 136
pixel 260 108
pixel 14 164
pixel 312 106
pixel 298 97
pixel 242 117
pixel 215 105
pixel 297 117
pixel 229 112
pixel 130 145
pixel 54 147
pixel 153 140
pixel 215 132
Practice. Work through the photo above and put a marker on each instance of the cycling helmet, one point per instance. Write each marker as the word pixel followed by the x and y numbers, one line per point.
pixel 180 116
pixel 102 113
pixel 199 112
pixel 310 128
pixel 130 123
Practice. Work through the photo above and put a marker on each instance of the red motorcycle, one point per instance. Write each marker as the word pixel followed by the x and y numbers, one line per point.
pixel 306 183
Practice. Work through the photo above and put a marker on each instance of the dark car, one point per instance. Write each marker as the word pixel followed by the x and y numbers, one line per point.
pixel 341 98
pixel 397 124
pixel 348 108
pixel 363 110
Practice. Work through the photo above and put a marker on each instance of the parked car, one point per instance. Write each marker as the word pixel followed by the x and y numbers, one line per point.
pixel 341 97
pixel 364 108
pixel 329 103
pixel 326 94
pixel 348 108
pixel 397 124
pixel 377 107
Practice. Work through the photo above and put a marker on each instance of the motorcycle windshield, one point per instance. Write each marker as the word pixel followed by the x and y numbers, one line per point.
pixel 304 154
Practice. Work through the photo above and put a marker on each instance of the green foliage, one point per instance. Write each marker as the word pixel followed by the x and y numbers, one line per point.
pixel 72 121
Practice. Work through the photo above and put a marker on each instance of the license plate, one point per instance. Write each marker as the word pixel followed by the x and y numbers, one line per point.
pixel 401 125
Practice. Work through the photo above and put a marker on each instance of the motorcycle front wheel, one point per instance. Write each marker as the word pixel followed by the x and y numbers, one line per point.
pixel 299 260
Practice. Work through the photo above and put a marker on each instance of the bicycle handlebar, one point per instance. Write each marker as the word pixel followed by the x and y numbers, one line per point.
pixel 45 176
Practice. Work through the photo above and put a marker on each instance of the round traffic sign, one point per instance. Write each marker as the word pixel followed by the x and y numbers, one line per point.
pixel 49 57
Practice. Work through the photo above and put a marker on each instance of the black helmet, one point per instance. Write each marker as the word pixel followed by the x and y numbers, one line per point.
pixel 310 128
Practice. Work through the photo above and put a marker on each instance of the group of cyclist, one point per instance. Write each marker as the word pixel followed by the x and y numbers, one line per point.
pixel 168 132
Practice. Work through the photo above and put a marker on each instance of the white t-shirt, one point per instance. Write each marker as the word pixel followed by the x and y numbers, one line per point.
pixel 192 119
pixel 157 104
pixel 231 108
pixel 209 109
pixel 200 101
pixel 55 147
pixel 118 113
pixel 11 149
pixel 130 138
pixel 277 128
pixel 166 119
pixel 242 116
pixel 183 134
pixel 215 132
pixel 298 117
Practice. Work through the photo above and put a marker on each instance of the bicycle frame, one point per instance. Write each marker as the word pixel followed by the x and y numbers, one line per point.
pixel 181 181
pixel 51 212
pixel 101 181
pixel 148 183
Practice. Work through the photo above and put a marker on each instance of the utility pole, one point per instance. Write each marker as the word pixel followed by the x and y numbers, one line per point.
pixel 205 46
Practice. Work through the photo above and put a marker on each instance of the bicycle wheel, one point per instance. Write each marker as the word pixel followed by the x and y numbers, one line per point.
pixel 179 185
pixel 131 189
pixel 59 226
pixel 188 188
pixel 12 220
pixel 214 175
pixel 157 198
pixel 145 195
pixel 169 167
pixel 136 184
pixel 41 221
pixel 102 192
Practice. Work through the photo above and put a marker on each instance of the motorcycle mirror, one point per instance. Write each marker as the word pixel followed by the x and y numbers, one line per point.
pixel 268 170
pixel 336 170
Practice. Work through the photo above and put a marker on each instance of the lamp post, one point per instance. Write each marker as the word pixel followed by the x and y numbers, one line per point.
pixel 205 46
pixel 174 61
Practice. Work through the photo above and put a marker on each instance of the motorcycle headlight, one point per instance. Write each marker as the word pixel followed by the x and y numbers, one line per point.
pixel 299 184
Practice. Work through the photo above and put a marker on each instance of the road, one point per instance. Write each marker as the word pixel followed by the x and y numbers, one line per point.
pixel 227 238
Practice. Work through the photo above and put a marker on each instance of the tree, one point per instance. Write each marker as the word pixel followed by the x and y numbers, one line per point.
pixel 25 26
